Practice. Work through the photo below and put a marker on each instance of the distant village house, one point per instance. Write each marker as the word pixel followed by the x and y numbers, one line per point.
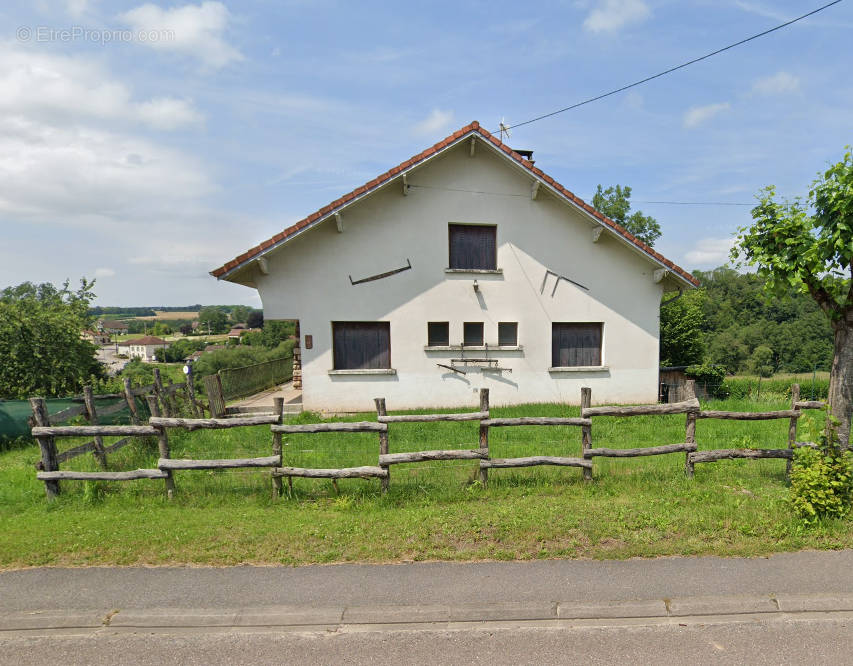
pixel 142 348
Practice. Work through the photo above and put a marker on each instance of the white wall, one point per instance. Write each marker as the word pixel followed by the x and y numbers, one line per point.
pixel 308 280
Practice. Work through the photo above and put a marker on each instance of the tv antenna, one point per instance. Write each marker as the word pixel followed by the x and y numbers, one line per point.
pixel 504 130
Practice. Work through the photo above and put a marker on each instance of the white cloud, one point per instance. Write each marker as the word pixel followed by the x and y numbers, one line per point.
pixel 613 15
pixel 78 8
pixel 192 30
pixel 437 121
pixel 79 176
pixel 57 89
pixel 761 10
pixel 104 272
pixel 67 157
pixel 778 84
pixel 697 115
pixel 168 113
pixel 711 252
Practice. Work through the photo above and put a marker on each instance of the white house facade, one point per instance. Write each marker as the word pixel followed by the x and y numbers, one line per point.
pixel 143 348
pixel 465 267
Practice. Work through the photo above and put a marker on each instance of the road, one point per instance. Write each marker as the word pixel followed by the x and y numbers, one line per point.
pixel 107 355
pixel 788 608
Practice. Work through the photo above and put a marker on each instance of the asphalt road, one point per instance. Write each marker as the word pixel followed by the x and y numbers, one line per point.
pixel 789 608
pixel 426 583
pixel 754 643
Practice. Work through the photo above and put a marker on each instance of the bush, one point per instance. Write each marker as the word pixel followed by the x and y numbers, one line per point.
pixel 711 376
pixel 822 479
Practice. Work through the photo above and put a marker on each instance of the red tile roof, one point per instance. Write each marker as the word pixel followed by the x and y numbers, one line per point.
pixel 473 128
pixel 147 340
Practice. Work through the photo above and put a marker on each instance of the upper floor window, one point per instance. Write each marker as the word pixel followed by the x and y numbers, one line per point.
pixel 473 247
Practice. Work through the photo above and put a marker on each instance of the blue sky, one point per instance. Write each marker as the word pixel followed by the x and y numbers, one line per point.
pixel 146 144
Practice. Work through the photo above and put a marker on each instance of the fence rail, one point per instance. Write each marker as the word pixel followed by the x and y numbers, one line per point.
pixel 159 425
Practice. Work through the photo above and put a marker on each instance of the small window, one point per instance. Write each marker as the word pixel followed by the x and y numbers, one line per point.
pixel 438 334
pixel 575 344
pixel 361 345
pixel 473 333
pixel 473 246
pixel 508 333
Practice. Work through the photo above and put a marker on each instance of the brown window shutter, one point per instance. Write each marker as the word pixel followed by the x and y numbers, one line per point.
pixel 575 344
pixel 361 345
pixel 473 246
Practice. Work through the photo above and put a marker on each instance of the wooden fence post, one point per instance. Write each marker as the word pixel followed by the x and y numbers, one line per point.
pixel 47 445
pixel 484 434
pixel 162 444
pixel 213 387
pixel 690 427
pixel 191 390
pixel 276 447
pixel 383 442
pixel 792 428
pixel 92 416
pixel 160 394
pixel 131 402
pixel 586 431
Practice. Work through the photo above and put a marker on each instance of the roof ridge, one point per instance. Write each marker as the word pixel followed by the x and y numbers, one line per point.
pixel 473 126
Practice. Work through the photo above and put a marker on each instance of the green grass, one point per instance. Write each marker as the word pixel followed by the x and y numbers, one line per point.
pixel 812 386
pixel 633 507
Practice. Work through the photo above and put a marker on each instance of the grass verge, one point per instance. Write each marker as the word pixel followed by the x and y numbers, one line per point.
pixel 634 507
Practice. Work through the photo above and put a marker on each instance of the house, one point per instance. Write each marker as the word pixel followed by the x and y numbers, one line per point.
pixel 142 348
pixel 112 327
pixel 464 267
pixel 96 337
pixel 238 330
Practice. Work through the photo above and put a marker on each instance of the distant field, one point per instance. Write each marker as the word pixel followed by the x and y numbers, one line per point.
pixel 164 316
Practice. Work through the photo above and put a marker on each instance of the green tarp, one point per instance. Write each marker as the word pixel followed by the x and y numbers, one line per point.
pixel 15 413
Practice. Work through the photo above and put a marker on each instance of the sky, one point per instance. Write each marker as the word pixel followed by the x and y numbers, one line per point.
pixel 146 144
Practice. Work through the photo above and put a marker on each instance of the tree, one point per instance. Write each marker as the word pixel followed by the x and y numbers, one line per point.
pixel 212 320
pixel 255 319
pixel 239 313
pixel 41 351
pixel 761 361
pixel 813 253
pixel 614 202
pixel 681 323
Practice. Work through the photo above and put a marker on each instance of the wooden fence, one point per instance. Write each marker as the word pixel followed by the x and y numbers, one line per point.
pixel 159 425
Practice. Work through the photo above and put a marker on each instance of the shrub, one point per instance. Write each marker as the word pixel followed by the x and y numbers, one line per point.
pixel 822 478
pixel 709 375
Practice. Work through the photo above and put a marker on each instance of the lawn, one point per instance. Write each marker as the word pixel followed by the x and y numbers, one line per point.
pixel 434 511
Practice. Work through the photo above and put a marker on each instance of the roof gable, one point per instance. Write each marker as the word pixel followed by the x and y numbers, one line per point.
pixel 471 130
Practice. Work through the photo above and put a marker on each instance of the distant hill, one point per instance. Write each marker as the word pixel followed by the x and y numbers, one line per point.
pixel 739 318
pixel 119 312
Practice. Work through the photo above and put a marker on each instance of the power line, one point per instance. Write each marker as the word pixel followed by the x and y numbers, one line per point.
pixel 698 203
pixel 673 69
pixel 525 195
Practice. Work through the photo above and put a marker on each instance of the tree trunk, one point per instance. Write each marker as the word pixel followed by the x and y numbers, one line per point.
pixel 841 379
